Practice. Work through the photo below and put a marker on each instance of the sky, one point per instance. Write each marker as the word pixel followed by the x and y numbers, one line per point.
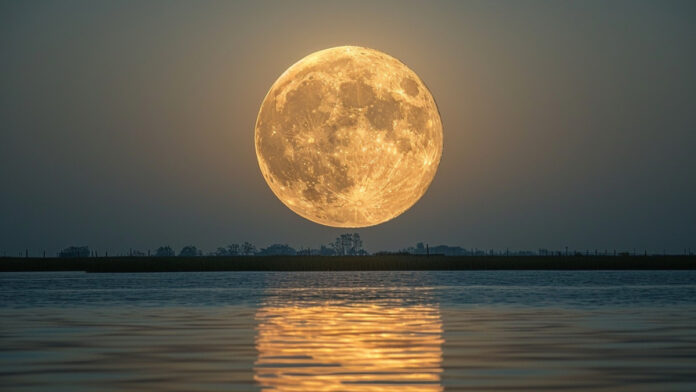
pixel 130 124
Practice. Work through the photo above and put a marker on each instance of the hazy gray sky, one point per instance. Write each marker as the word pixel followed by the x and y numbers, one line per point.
pixel 130 123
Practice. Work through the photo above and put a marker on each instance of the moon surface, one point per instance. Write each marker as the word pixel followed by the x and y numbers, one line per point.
pixel 348 137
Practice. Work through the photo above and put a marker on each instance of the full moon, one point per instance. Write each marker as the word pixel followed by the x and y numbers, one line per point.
pixel 348 137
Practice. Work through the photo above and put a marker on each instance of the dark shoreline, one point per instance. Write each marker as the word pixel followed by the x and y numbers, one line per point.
pixel 356 263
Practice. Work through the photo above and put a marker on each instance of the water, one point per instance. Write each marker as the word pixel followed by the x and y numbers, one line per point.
pixel 349 331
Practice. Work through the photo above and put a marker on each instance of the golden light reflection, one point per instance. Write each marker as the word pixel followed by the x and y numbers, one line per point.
pixel 361 347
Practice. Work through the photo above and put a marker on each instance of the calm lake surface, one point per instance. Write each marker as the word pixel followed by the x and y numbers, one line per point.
pixel 349 331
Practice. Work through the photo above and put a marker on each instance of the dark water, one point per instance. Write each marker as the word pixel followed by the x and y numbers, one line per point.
pixel 348 331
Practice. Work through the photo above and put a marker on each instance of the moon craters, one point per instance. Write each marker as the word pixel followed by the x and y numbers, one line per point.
pixel 348 137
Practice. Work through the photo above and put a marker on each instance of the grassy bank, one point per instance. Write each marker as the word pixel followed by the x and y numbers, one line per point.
pixel 364 263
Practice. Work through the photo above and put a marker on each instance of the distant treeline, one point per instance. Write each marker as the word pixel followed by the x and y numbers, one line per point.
pixel 344 245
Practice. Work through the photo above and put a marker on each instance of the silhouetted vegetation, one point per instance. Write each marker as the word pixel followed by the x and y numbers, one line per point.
pixel 348 245
pixel 247 249
pixel 190 251
pixel 164 251
pixel 229 250
pixel 238 256
pixel 277 250
pixel 75 251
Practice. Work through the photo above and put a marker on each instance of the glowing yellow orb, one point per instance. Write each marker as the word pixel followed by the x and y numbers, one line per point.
pixel 348 137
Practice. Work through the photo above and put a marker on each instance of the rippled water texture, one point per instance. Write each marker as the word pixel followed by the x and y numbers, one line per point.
pixel 347 331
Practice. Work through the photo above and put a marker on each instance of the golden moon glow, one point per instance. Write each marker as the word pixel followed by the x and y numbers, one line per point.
pixel 348 137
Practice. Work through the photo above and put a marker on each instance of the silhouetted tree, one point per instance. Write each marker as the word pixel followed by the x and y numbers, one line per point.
pixel 164 251
pixel 190 251
pixel 233 249
pixel 339 245
pixel 248 249
pixel 230 250
pixel 348 244
pixel 356 247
